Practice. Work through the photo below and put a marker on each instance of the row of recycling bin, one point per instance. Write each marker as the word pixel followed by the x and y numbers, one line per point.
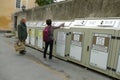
pixel 96 47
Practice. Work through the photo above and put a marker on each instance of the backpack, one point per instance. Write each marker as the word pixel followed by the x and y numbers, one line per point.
pixel 46 34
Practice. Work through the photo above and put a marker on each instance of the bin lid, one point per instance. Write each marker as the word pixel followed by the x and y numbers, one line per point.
pixel 96 22
pixel 78 23
pixel 66 23
pixel 31 24
pixel 39 24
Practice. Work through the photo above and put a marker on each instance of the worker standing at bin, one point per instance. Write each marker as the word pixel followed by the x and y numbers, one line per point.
pixel 22 34
pixel 48 37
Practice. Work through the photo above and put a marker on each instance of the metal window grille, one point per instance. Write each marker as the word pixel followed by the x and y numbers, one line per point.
pixel 18 3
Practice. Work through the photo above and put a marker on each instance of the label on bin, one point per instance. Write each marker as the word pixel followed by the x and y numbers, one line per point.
pixel 79 23
pixel 77 38
pixel 93 23
pixel 107 23
pixel 101 42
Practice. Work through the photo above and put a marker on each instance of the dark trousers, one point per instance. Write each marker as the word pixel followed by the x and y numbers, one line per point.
pixel 50 43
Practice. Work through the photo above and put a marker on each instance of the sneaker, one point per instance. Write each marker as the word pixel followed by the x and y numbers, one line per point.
pixel 22 52
pixel 44 57
pixel 50 57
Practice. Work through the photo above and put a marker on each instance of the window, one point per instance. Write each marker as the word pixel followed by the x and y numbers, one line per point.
pixel 18 3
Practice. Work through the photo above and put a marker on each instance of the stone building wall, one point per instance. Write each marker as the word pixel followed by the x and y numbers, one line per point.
pixel 71 9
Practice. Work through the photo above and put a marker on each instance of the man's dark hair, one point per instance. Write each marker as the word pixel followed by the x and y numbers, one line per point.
pixel 48 21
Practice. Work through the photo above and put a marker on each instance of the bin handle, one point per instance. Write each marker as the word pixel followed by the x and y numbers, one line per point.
pixel 55 42
pixel 87 48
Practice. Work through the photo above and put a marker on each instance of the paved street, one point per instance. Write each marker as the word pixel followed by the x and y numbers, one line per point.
pixel 32 66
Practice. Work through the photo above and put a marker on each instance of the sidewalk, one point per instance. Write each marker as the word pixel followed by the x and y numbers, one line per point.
pixel 69 70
